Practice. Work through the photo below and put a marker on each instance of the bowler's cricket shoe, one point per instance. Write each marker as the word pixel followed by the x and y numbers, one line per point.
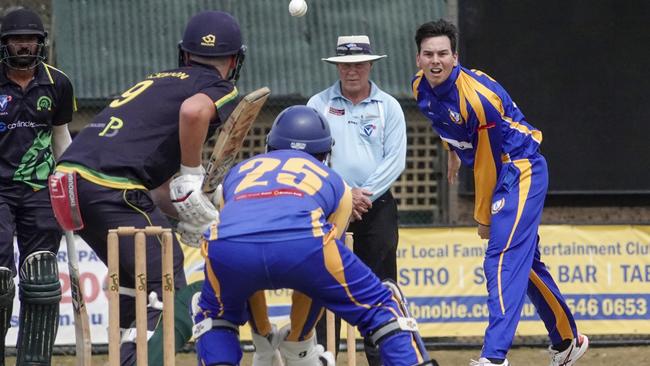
pixel 569 356
pixel 485 362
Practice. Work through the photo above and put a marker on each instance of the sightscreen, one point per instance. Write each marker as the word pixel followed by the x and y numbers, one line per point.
pixel 579 72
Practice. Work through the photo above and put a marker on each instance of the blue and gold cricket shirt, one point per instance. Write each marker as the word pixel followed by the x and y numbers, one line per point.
pixel 476 118
pixel 282 195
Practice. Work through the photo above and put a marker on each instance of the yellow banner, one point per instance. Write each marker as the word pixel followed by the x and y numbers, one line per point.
pixel 603 272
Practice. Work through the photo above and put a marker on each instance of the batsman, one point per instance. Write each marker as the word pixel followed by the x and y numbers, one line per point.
pixel 146 135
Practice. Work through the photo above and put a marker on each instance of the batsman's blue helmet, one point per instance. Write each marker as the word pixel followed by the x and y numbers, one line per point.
pixel 212 33
pixel 300 128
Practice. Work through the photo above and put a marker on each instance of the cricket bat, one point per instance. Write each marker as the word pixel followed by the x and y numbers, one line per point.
pixel 231 138
pixel 83 345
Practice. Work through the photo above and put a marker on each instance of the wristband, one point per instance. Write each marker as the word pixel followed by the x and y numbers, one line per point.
pixel 189 170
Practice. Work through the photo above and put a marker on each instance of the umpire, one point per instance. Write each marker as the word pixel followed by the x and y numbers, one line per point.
pixel 369 131
pixel 36 104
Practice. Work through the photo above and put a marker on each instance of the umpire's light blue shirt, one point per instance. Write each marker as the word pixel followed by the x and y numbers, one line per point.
pixel 369 137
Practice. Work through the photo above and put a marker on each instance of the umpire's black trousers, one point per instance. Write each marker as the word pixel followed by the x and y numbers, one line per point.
pixel 375 243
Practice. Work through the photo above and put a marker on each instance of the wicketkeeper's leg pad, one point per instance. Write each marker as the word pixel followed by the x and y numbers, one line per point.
pixel 265 347
pixel 303 353
pixel 397 335
pixel 40 294
pixel 399 297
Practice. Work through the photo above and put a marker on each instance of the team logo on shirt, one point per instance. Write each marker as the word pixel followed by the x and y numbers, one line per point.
pixel 4 102
pixel 208 40
pixel 497 205
pixel 336 112
pixel 44 103
pixel 454 116
pixel 368 129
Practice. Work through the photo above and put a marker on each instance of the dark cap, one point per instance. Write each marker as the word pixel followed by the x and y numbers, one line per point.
pixel 22 22
pixel 212 33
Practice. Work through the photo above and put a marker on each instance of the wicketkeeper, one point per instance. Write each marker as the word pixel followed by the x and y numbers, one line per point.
pixel 299 206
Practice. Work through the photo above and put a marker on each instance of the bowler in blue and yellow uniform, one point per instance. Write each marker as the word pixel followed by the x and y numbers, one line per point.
pixel 484 129
pixel 279 228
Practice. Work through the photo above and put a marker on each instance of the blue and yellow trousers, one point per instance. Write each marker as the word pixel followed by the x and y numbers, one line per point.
pixel 321 268
pixel 512 265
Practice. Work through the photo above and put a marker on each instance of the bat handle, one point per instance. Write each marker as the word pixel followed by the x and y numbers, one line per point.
pixel 72 250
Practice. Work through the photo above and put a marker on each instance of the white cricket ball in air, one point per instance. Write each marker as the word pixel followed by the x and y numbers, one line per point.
pixel 297 8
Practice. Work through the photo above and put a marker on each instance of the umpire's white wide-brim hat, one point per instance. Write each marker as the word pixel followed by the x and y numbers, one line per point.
pixel 353 49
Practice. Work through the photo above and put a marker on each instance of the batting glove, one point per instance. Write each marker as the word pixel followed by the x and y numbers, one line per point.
pixel 191 234
pixel 192 205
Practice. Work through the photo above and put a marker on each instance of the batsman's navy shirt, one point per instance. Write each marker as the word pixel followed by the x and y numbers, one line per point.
pixel 134 142
pixel 26 120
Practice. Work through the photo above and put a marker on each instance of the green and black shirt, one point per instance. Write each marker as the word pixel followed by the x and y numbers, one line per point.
pixel 26 120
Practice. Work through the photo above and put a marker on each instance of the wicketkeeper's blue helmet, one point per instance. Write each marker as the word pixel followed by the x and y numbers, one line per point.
pixel 300 128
